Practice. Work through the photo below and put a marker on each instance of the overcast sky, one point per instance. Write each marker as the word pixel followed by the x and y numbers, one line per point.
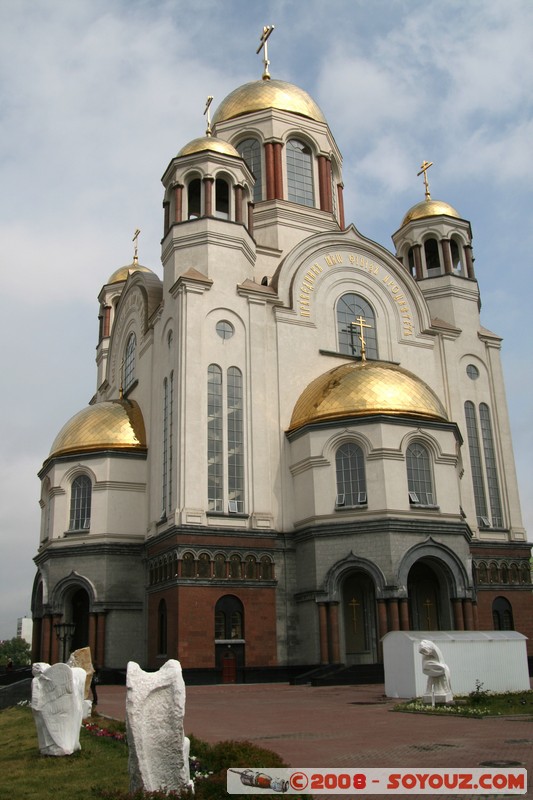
pixel 96 97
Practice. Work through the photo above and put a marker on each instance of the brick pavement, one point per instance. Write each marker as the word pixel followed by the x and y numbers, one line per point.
pixel 343 726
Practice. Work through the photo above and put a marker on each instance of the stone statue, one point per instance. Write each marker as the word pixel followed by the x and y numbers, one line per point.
pixel 438 689
pixel 82 658
pixel 57 694
pixel 158 749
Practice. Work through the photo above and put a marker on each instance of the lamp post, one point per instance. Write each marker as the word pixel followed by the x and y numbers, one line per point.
pixel 64 632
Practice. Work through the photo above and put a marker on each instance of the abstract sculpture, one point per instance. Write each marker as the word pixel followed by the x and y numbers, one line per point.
pixel 438 689
pixel 57 694
pixel 158 749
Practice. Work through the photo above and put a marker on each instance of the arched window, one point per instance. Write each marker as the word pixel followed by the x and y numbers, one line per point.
pixel 350 308
pixel 225 440
pixel 129 362
pixel 194 199
pixel 187 566
pixel 351 479
pixel 162 628
pixel 490 466
pixel 299 173
pixel 250 568
pixel 250 151
pixel 266 569
pixel 431 252
pixel 235 567
pixel 221 199
pixel 484 468
pixel 419 479
pixel 502 615
pixel 229 618
pixel 204 565
pixel 80 504
pixel 220 566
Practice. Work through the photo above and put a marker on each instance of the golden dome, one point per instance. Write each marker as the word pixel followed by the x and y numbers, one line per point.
pixel 111 425
pixel 258 95
pixel 208 143
pixel 122 273
pixel 430 208
pixel 364 388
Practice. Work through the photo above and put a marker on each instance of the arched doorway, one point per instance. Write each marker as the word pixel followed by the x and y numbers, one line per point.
pixel 359 619
pixel 229 638
pixel 78 606
pixel 429 597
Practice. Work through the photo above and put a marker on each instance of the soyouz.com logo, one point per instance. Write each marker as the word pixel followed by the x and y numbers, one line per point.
pixel 410 781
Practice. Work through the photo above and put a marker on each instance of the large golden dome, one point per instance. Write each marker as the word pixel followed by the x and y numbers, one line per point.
pixel 430 208
pixel 204 143
pixel 258 95
pixel 122 273
pixel 364 388
pixel 111 425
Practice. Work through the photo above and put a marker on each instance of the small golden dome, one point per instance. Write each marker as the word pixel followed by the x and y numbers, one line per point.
pixel 364 388
pixel 258 95
pixel 122 273
pixel 204 143
pixel 430 208
pixel 111 425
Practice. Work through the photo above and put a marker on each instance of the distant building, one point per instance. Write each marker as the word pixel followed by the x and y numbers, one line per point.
pixel 299 440
pixel 25 629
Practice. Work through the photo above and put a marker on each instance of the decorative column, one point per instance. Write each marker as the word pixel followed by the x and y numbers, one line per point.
pixel 469 262
pixel 468 614
pixel 475 616
pixel 92 634
pixel 269 170
pixel 45 652
pixel 251 219
pixel 340 199
pixel 323 632
pixel 54 641
pixel 447 256
pixel 335 653
pixel 208 197
pixel 394 618
pixel 322 182
pixel 418 261
pixel 178 203
pixel 166 217
pixel 404 614
pixel 238 203
pixel 458 619
pixel 100 639
pixel 278 171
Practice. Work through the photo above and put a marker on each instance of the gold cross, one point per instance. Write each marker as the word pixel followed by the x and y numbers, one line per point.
pixel 428 606
pixel 206 111
pixel 267 30
pixel 354 605
pixel 425 165
pixel 136 248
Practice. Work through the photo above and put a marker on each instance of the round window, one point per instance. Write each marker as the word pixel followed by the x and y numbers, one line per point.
pixel 225 329
pixel 472 372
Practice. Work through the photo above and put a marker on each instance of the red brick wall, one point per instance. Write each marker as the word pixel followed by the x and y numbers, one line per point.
pixel 522 605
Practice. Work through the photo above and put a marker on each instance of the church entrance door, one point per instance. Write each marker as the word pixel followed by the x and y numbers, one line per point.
pixel 359 619
pixel 428 602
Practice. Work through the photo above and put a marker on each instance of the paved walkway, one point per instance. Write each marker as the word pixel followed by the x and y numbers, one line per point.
pixel 343 726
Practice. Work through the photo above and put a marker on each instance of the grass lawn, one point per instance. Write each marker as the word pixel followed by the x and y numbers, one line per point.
pixel 478 703
pixel 100 769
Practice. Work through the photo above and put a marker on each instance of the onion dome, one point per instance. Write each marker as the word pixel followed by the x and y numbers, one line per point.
pixel 363 389
pixel 258 95
pixel 430 208
pixel 111 425
pixel 122 273
pixel 211 143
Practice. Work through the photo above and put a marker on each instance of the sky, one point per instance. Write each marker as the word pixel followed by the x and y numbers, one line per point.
pixel 97 96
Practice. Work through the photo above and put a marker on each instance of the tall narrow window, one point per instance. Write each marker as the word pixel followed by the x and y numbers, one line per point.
pixel 350 308
pixel 168 399
pixel 80 504
pixel 215 473
pixel 351 480
pixel 194 198
pixel 431 251
pixel 129 362
pixel 419 479
pixel 490 466
pixel 476 465
pixel 225 437
pixel 250 151
pixel 299 173
pixel 221 199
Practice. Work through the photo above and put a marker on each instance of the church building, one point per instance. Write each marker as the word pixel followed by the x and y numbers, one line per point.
pixel 299 439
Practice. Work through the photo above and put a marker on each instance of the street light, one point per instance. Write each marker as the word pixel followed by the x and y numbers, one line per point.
pixel 64 632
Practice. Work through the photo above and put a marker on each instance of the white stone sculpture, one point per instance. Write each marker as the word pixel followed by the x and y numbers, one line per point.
pixel 158 749
pixel 82 658
pixel 438 689
pixel 57 694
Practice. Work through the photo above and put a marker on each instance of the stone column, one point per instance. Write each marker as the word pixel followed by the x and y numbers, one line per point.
pixel 340 199
pixel 166 217
pixel 458 619
pixel 469 262
pixel 278 171
pixel 382 624
pixel 208 197
pixel 100 639
pixel 475 616
pixel 322 192
pixel 335 654
pixel 178 203
pixel 44 645
pixel 468 614
pixel 404 614
pixel 238 203
pixel 418 261
pixel 394 618
pixel 447 256
pixel 55 644
pixel 251 219
pixel 92 634
pixel 323 631
pixel 269 171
